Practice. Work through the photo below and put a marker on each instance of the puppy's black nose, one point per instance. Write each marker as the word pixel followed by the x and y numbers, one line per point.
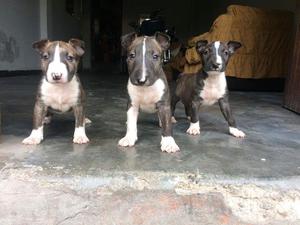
pixel 216 65
pixel 141 82
pixel 56 76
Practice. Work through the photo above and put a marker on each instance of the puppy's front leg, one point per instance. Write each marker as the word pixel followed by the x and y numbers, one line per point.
pixel 131 133
pixel 79 133
pixel 226 111
pixel 167 143
pixel 37 133
pixel 194 128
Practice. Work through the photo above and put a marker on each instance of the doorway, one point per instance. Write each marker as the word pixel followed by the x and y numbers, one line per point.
pixel 106 30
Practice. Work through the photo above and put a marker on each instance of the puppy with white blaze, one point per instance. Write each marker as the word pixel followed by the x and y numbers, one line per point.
pixel 147 86
pixel 60 89
pixel 208 86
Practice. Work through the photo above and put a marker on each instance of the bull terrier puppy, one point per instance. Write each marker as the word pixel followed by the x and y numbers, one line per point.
pixel 208 86
pixel 147 86
pixel 60 89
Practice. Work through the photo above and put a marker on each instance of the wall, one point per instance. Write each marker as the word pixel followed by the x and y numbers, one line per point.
pixel 193 17
pixel 23 22
pixel 297 14
pixel 20 24
pixel 61 25
pixel 176 13
pixel 19 28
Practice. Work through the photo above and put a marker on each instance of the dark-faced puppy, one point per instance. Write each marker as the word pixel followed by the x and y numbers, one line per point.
pixel 147 86
pixel 208 86
pixel 60 89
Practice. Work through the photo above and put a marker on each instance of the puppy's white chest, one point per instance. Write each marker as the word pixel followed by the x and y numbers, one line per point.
pixel 146 97
pixel 214 88
pixel 60 97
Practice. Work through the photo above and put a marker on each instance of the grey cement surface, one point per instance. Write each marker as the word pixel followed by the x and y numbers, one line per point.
pixel 214 179
pixel 270 150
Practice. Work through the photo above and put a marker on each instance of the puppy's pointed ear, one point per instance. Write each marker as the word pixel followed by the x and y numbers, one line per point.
pixel 233 46
pixel 163 40
pixel 40 45
pixel 200 45
pixel 127 39
pixel 78 45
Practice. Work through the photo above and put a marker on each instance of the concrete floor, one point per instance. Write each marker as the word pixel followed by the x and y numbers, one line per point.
pixel 268 159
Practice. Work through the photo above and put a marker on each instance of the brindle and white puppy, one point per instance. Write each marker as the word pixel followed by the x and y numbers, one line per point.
pixel 60 89
pixel 147 87
pixel 208 86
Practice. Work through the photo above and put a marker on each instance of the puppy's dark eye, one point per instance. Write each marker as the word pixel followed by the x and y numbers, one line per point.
pixel 70 58
pixel 155 56
pixel 205 52
pixel 226 52
pixel 45 56
pixel 131 56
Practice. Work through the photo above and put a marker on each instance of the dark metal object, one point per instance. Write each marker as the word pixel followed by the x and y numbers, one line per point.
pixel 155 23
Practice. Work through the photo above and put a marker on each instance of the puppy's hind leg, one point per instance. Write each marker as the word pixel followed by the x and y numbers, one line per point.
pixel 226 111
pixel 48 118
pixel 87 121
pixel 175 99
pixel 188 112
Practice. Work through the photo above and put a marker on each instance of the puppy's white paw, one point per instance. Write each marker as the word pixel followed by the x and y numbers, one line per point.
pixel 188 118
pixel 81 139
pixel 47 120
pixel 127 141
pixel 168 145
pixel 80 136
pixel 32 140
pixel 87 120
pixel 236 132
pixel 194 129
pixel 173 120
pixel 35 137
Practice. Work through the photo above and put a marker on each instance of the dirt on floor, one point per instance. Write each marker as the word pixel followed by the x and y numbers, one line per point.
pixel 28 196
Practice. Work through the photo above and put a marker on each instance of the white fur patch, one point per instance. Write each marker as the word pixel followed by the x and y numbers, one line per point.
pixel 194 128
pixel 214 87
pixel 236 132
pixel 219 59
pixel 169 145
pixel 60 96
pixel 57 67
pixel 173 120
pixel 131 133
pixel 47 120
pixel 87 121
pixel 80 136
pixel 143 78
pixel 36 136
pixel 145 97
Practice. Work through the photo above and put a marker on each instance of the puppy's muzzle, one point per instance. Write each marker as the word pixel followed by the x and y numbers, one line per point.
pixel 56 76
pixel 139 81
pixel 216 66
